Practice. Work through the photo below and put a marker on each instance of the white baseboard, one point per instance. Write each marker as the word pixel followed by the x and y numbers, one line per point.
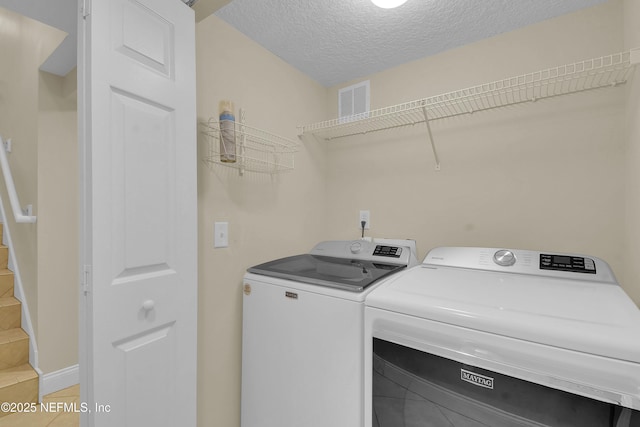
pixel 58 380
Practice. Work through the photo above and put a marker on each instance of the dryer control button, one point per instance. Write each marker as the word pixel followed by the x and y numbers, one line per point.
pixel 504 258
pixel 356 247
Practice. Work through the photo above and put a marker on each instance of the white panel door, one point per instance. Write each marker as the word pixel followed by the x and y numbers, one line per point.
pixel 139 210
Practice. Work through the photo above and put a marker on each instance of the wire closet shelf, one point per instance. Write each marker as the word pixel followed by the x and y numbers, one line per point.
pixel 605 71
pixel 256 149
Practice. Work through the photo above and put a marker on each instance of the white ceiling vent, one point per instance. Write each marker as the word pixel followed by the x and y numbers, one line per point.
pixel 353 102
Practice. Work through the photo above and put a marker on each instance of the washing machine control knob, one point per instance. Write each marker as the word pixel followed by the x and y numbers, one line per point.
pixel 504 258
pixel 356 247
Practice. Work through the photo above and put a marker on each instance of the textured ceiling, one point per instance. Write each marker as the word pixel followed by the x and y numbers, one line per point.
pixel 335 41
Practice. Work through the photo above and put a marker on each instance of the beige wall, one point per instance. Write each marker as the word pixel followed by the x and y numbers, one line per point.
pixel 24 44
pixel 57 222
pixel 547 175
pixel 269 216
pixel 631 272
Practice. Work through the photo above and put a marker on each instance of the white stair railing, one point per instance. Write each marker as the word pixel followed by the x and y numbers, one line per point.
pixel 11 188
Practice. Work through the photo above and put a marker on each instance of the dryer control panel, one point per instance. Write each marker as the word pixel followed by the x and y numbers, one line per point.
pixel 549 264
pixel 576 264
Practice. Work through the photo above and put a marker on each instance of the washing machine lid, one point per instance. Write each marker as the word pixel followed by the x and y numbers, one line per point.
pixel 565 309
pixel 350 265
pixel 341 273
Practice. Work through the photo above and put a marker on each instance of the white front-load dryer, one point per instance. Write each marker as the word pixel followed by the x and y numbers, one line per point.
pixel 479 337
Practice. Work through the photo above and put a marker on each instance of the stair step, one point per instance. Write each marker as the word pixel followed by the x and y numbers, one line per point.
pixel 14 348
pixel 18 384
pixel 10 313
pixel 18 380
pixel 4 256
pixel 6 283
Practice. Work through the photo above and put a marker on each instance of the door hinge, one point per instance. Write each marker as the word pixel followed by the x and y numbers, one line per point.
pixel 86 8
pixel 86 279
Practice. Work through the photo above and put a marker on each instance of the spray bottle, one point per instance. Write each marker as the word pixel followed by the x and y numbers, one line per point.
pixel 227 132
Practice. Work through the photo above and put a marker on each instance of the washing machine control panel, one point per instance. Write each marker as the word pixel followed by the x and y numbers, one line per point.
pixel 388 251
pixel 574 264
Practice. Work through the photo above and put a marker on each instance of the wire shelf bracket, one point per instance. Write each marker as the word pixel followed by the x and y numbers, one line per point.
pixel 602 72
pixel 430 135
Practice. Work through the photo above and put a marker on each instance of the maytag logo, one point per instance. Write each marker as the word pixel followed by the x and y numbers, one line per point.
pixel 476 379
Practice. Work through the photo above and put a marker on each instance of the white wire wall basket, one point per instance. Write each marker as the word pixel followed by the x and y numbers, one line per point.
pixel 596 73
pixel 251 149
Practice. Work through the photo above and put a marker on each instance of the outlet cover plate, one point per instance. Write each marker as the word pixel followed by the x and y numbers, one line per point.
pixel 364 216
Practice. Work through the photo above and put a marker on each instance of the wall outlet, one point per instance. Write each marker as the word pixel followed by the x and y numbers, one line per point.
pixel 366 217
pixel 221 235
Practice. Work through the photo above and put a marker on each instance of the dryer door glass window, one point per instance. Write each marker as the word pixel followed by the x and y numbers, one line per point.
pixel 412 388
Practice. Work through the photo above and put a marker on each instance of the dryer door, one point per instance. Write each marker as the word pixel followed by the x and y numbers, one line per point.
pixel 413 388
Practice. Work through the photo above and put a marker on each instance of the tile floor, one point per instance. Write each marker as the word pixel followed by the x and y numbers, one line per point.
pixel 54 418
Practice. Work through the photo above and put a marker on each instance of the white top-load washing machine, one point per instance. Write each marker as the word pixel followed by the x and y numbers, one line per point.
pixel 492 337
pixel 302 346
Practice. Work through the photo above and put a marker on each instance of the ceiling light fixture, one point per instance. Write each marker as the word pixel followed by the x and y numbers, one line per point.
pixel 388 4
